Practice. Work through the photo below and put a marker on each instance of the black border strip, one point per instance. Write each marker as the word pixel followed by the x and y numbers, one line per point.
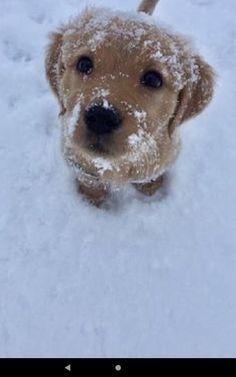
pixel 112 366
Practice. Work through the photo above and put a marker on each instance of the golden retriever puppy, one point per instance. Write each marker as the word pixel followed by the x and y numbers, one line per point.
pixel 124 85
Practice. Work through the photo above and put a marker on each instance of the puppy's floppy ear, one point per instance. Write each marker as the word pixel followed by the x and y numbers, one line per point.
pixel 195 96
pixel 53 64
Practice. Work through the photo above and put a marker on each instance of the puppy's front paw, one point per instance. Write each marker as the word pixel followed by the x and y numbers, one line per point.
pixel 151 187
pixel 95 194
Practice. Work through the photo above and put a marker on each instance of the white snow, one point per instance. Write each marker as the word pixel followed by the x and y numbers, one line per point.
pixel 102 164
pixel 100 92
pixel 71 121
pixel 143 277
pixel 140 116
pixel 106 104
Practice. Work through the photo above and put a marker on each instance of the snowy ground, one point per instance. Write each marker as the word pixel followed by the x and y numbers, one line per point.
pixel 146 278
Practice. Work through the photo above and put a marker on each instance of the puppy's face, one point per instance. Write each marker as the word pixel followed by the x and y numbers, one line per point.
pixel 124 85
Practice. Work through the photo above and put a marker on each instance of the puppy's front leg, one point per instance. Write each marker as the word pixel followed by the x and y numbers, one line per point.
pixel 151 187
pixel 96 193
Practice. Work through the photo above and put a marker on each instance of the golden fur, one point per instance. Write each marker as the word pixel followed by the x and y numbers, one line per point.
pixel 123 47
pixel 147 6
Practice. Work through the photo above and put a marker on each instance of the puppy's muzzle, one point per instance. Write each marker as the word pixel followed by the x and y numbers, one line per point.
pixel 102 120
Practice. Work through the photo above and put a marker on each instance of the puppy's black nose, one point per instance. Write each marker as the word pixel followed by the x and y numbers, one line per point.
pixel 102 120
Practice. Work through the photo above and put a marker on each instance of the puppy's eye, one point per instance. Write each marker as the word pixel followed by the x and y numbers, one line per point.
pixel 85 65
pixel 152 79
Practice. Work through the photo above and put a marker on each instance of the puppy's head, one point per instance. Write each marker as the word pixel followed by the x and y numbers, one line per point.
pixel 124 86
